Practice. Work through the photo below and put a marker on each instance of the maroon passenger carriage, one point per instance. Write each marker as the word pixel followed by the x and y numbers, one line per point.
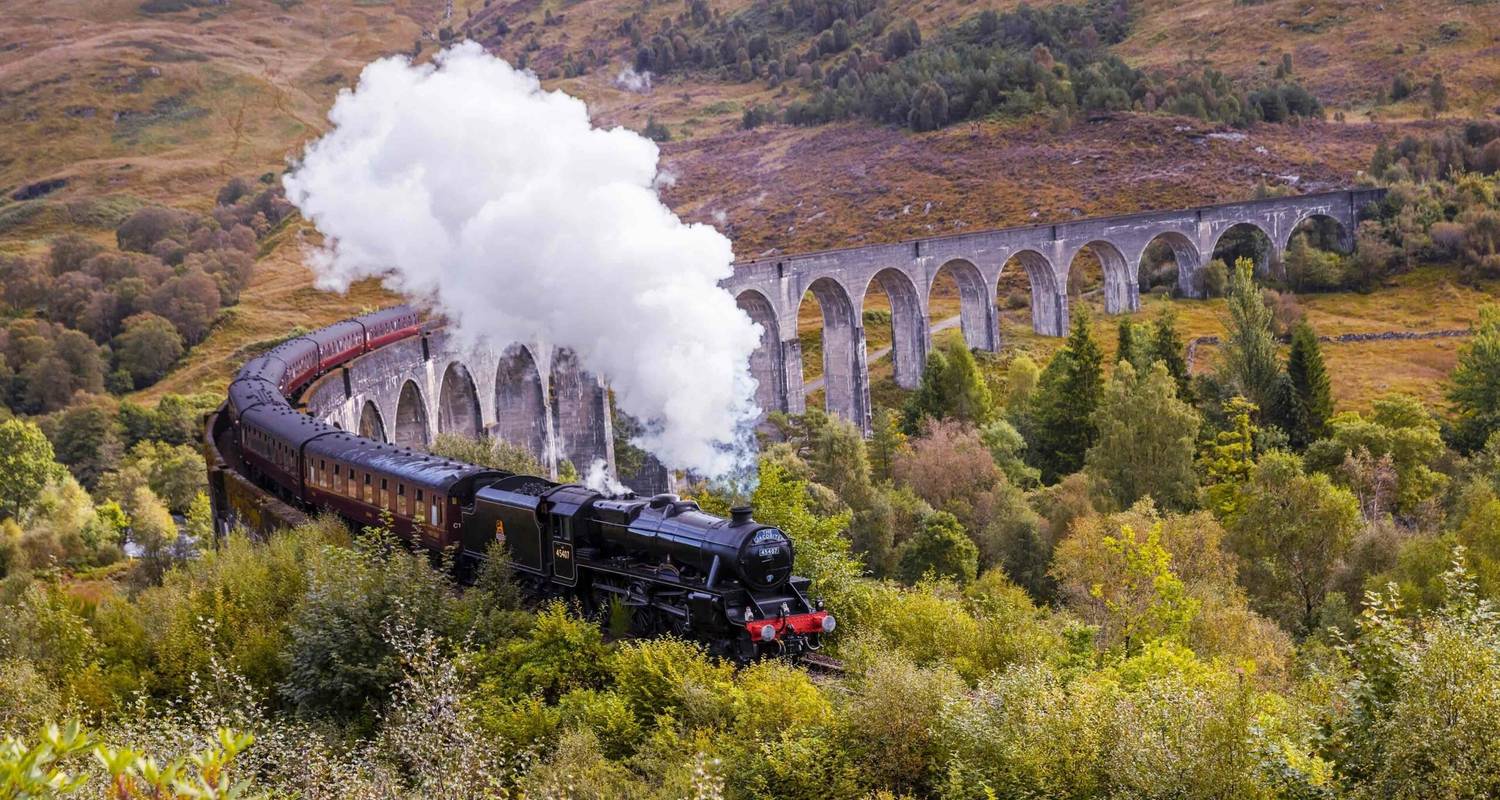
pixel 726 582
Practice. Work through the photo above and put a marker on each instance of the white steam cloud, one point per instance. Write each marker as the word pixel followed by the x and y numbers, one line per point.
pixel 463 183
pixel 632 81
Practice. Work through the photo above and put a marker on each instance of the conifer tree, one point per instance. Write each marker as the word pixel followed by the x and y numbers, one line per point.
pixel 886 441
pixel 1068 395
pixel 1229 460
pixel 1130 349
pixel 1475 388
pixel 1250 363
pixel 1168 348
pixel 1312 396
pixel 926 402
pixel 965 395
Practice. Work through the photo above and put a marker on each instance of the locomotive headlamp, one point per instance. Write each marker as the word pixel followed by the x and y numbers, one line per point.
pixel 767 633
pixel 829 623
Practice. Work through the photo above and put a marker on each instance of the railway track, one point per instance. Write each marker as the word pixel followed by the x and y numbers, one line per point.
pixel 822 665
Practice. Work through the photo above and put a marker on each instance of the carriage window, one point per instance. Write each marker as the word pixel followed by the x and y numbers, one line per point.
pixel 401 499
pixel 381 495
pixel 435 510
pixel 353 486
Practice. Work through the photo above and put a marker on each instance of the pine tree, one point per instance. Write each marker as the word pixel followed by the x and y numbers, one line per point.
pixel 926 402
pixel 886 441
pixel 1475 389
pixel 1167 347
pixel 1070 390
pixel 1312 396
pixel 1250 363
pixel 1230 459
pixel 964 393
pixel 1130 350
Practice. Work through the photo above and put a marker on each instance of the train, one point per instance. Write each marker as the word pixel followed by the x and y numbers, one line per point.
pixel 675 569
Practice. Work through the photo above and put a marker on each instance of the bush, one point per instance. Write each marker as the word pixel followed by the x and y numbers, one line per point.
pixel 673 678
pixel 940 549
pixel 1215 278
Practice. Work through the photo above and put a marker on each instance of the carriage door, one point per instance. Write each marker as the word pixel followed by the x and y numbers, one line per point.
pixel 563 567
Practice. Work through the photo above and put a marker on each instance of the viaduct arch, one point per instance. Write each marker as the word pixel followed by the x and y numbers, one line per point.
pixel 771 290
pixel 410 391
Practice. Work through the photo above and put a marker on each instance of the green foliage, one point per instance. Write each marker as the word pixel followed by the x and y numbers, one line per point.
pixel 1006 446
pixel 886 441
pixel 940 549
pixel 889 722
pixel 339 660
pixel 1250 364
pixel 147 348
pixel 1070 391
pixel 951 388
pixel 486 452
pixel 1290 530
pixel 26 465
pixel 672 678
pixel 1312 395
pixel 1474 390
pixel 560 654
pixel 1147 439
pixel 1399 427
pixel 1416 705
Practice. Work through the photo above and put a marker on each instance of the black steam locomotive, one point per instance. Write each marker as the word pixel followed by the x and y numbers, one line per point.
pixel 678 570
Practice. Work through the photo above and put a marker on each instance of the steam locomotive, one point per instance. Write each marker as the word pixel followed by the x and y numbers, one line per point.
pixel 677 570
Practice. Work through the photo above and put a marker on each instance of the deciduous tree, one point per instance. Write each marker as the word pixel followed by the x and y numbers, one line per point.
pixel 1147 439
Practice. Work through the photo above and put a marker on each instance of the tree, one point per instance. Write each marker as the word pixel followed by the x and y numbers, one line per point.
pixel 1069 393
pixel 190 301
pixel 965 394
pixel 26 465
pixel 1230 459
pixel 148 226
pixel 1398 426
pixel 951 388
pixel 1418 705
pixel 1312 396
pixel 147 348
pixel 941 548
pixel 86 438
pixel 1147 439
pixel 1474 388
pixel 1250 364
pixel 1166 346
pixel 1129 348
pixel 839 461
pixel 927 401
pixel 1291 530
pixel 1437 92
pixel 929 108
pixel 886 442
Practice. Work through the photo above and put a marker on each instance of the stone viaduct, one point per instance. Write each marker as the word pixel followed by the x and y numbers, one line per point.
pixel 409 392
pixel 771 290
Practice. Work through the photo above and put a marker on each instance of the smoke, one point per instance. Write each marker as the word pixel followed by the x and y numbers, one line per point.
pixel 464 184
pixel 599 479
pixel 632 81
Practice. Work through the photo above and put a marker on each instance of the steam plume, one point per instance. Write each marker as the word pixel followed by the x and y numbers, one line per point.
pixel 463 183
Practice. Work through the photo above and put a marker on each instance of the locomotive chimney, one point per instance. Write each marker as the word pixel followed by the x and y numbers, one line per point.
pixel 739 515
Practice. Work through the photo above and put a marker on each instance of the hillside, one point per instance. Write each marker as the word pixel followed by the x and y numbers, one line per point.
pixel 107 106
